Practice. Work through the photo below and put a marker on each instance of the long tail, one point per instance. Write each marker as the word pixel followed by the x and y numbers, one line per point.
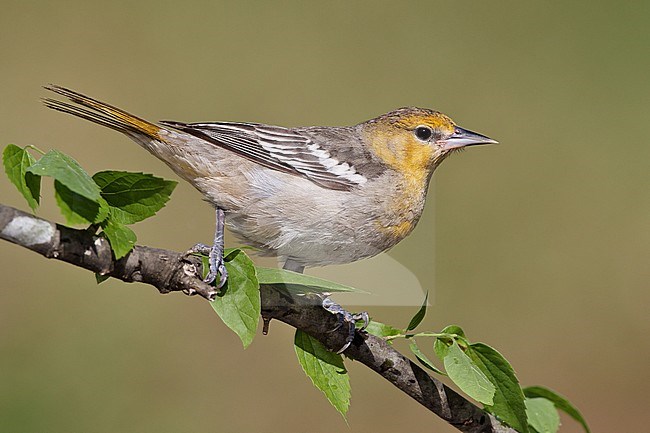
pixel 101 113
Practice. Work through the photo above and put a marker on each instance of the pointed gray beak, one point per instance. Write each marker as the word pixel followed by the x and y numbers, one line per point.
pixel 464 137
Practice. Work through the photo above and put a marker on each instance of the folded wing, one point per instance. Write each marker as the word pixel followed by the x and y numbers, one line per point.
pixel 278 148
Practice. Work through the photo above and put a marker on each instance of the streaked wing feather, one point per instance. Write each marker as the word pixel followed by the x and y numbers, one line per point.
pixel 277 148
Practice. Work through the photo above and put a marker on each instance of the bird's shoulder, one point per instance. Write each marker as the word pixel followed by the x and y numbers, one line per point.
pixel 345 144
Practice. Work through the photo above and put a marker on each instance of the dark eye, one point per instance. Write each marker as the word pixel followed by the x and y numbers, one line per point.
pixel 423 133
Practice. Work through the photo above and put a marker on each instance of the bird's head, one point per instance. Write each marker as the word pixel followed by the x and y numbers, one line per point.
pixel 415 140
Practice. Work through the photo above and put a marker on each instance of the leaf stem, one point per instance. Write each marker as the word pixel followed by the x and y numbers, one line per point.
pixel 31 146
pixel 423 334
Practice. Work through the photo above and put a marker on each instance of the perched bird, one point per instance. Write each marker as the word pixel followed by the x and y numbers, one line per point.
pixel 313 195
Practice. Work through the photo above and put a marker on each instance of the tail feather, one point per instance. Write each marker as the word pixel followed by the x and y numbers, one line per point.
pixel 101 113
pixel 92 116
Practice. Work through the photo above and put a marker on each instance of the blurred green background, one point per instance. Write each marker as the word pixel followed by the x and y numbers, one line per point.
pixel 538 246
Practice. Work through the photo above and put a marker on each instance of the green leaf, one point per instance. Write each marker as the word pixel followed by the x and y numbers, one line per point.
pixel 101 278
pixel 508 399
pixel 542 415
pixel 466 374
pixel 16 160
pixel 415 321
pixel 423 358
pixel 441 345
pixel 133 197
pixel 121 237
pixel 77 209
pixel 300 283
pixel 325 369
pixel 67 171
pixel 239 304
pixel 559 401
pixel 382 330
pixel 230 253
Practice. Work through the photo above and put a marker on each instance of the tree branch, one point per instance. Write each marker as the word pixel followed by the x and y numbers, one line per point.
pixel 170 271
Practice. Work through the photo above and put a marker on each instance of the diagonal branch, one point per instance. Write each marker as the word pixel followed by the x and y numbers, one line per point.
pixel 170 271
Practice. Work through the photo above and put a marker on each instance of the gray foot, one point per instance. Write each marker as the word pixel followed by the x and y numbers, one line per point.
pixel 347 319
pixel 215 252
pixel 215 259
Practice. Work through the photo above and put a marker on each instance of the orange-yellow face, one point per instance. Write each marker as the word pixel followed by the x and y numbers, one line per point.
pixel 414 141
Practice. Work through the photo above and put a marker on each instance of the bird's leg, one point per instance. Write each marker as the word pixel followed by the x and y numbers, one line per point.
pixel 215 252
pixel 344 317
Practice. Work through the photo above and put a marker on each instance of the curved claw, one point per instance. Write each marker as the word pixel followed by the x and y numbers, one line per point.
pixel 344 348
pixel 362 316
pixel 218 268
pixel 212 275
pixel 223 272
